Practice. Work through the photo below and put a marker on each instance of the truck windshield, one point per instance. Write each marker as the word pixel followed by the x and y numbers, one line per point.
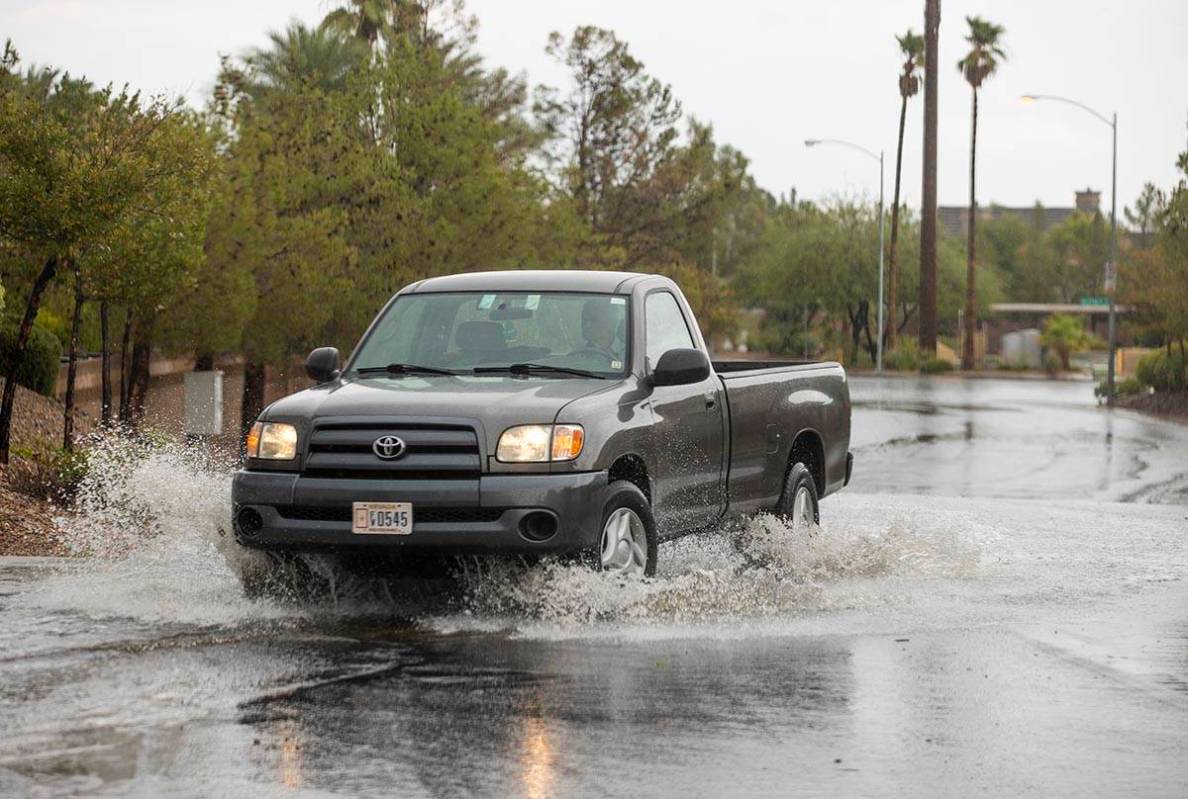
pixel 464 330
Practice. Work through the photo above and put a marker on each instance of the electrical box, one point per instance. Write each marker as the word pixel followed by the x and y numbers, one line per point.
pixel 1023 348
pixel 204 403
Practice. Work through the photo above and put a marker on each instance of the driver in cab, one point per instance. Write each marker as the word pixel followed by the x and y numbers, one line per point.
pixel 598 329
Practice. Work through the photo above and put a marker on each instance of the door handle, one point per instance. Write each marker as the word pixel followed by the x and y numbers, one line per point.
pixel 711 400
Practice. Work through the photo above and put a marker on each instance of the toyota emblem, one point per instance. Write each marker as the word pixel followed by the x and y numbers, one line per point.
pixel 388 447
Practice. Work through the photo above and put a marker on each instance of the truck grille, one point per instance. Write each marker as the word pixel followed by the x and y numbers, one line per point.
pixel 437 452
pixel 420 515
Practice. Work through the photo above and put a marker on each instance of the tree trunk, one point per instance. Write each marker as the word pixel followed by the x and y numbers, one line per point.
pixel 105 362
pixel 893 256
pixel 72 368
pixel 971 258
pixel 48 270
pixel 871 345
pixel 858 319
pixel 138 381
pixel 1183 367
pixel 125 415
pixel 928 318
pixel 252 403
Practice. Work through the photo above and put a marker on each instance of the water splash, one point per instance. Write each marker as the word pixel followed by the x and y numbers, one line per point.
pixel 759 567
pixel 152 524
pixel 152 520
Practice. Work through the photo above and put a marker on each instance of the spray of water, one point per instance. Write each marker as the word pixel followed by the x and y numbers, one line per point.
pixel 152 522
pixel 756 568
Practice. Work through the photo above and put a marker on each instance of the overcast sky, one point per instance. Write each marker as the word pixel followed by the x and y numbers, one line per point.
pixel 766 73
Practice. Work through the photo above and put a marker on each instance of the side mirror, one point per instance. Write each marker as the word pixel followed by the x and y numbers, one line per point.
pixel 681 367
pixel 322 364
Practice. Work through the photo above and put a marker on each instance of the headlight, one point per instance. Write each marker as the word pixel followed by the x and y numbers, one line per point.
pixel 539 443
pixel 272 441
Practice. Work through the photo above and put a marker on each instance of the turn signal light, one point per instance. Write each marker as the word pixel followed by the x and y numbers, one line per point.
pixel 567 441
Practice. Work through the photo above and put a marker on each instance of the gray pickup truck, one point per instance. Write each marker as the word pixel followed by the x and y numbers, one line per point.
pixel 538 412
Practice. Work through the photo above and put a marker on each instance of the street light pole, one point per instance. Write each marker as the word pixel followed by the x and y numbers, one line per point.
pixel 879 158
pixel 879 342
pixel 1111 267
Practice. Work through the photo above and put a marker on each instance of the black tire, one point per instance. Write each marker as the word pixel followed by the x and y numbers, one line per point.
pixel 283 576
pixel 623 494
pixel 799 477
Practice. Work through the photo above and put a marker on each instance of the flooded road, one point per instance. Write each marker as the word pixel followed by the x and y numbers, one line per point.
pixel 997 605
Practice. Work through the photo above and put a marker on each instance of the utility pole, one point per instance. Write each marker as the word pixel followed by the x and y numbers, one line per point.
pixel 928 314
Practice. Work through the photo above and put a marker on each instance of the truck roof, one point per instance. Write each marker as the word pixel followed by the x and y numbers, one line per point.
pixel 532 280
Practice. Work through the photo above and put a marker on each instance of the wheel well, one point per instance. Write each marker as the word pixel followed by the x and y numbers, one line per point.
pixel 808 449
pixel 632 469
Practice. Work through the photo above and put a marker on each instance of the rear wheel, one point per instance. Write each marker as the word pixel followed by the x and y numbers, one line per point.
pixel 798 504
pixel 628 541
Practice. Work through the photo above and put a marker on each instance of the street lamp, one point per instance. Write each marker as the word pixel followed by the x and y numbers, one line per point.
pixel 878 157
pixel 1111 267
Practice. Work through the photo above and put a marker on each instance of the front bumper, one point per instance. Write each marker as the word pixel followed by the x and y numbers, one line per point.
pixel 480 515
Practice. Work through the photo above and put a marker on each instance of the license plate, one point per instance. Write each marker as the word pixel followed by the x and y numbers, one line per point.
pixel 382 518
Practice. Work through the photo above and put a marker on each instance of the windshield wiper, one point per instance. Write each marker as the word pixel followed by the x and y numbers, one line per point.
pixel 405 369
pixel 529 368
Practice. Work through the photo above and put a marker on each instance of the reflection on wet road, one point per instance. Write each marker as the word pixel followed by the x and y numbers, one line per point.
pixel 1011 438
pixel 997 605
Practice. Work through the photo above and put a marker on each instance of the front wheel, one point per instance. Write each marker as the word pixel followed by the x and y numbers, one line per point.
pixel 284 576
pixel 628 542
pixel 798 504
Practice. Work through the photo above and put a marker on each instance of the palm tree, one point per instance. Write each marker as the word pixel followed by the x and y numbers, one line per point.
pixel 979 63
pixel 912 47
pixel 320 57
pixel 371 21
pixel 927 333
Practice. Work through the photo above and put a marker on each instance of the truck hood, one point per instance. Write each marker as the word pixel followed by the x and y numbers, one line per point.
pixel 495 403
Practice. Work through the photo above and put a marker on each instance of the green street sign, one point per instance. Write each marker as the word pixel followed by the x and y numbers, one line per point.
pixel 1095 300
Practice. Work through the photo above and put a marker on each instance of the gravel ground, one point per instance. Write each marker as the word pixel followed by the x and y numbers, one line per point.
pixel 25 524
pixel 1172 405
pixel 37 420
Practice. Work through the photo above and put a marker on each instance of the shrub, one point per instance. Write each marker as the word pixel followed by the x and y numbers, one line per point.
pixel 905 357
pixel 779 340
pixel 934 366
pixel 38 368
pixel 1163 373
pixel 1065 335
pixel 1052 363
pixel 52 474
pixel 1123 388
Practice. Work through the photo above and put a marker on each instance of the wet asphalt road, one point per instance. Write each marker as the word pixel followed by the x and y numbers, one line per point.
pixel 998 605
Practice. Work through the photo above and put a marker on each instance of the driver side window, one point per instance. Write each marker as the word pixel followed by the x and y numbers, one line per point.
pixel 666 329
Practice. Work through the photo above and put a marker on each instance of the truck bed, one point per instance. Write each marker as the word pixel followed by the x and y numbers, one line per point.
pixel 769 403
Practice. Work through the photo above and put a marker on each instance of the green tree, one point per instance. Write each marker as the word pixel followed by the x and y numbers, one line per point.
pixel 911 46
pixel 615 131
pixel 979 63
pixel 153 254
pixel 1147 207
pixel 74 162
pixel 1155 281
pixel 280 224
pixel 1013 246
pixel 1076 249
pixel 1065 335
